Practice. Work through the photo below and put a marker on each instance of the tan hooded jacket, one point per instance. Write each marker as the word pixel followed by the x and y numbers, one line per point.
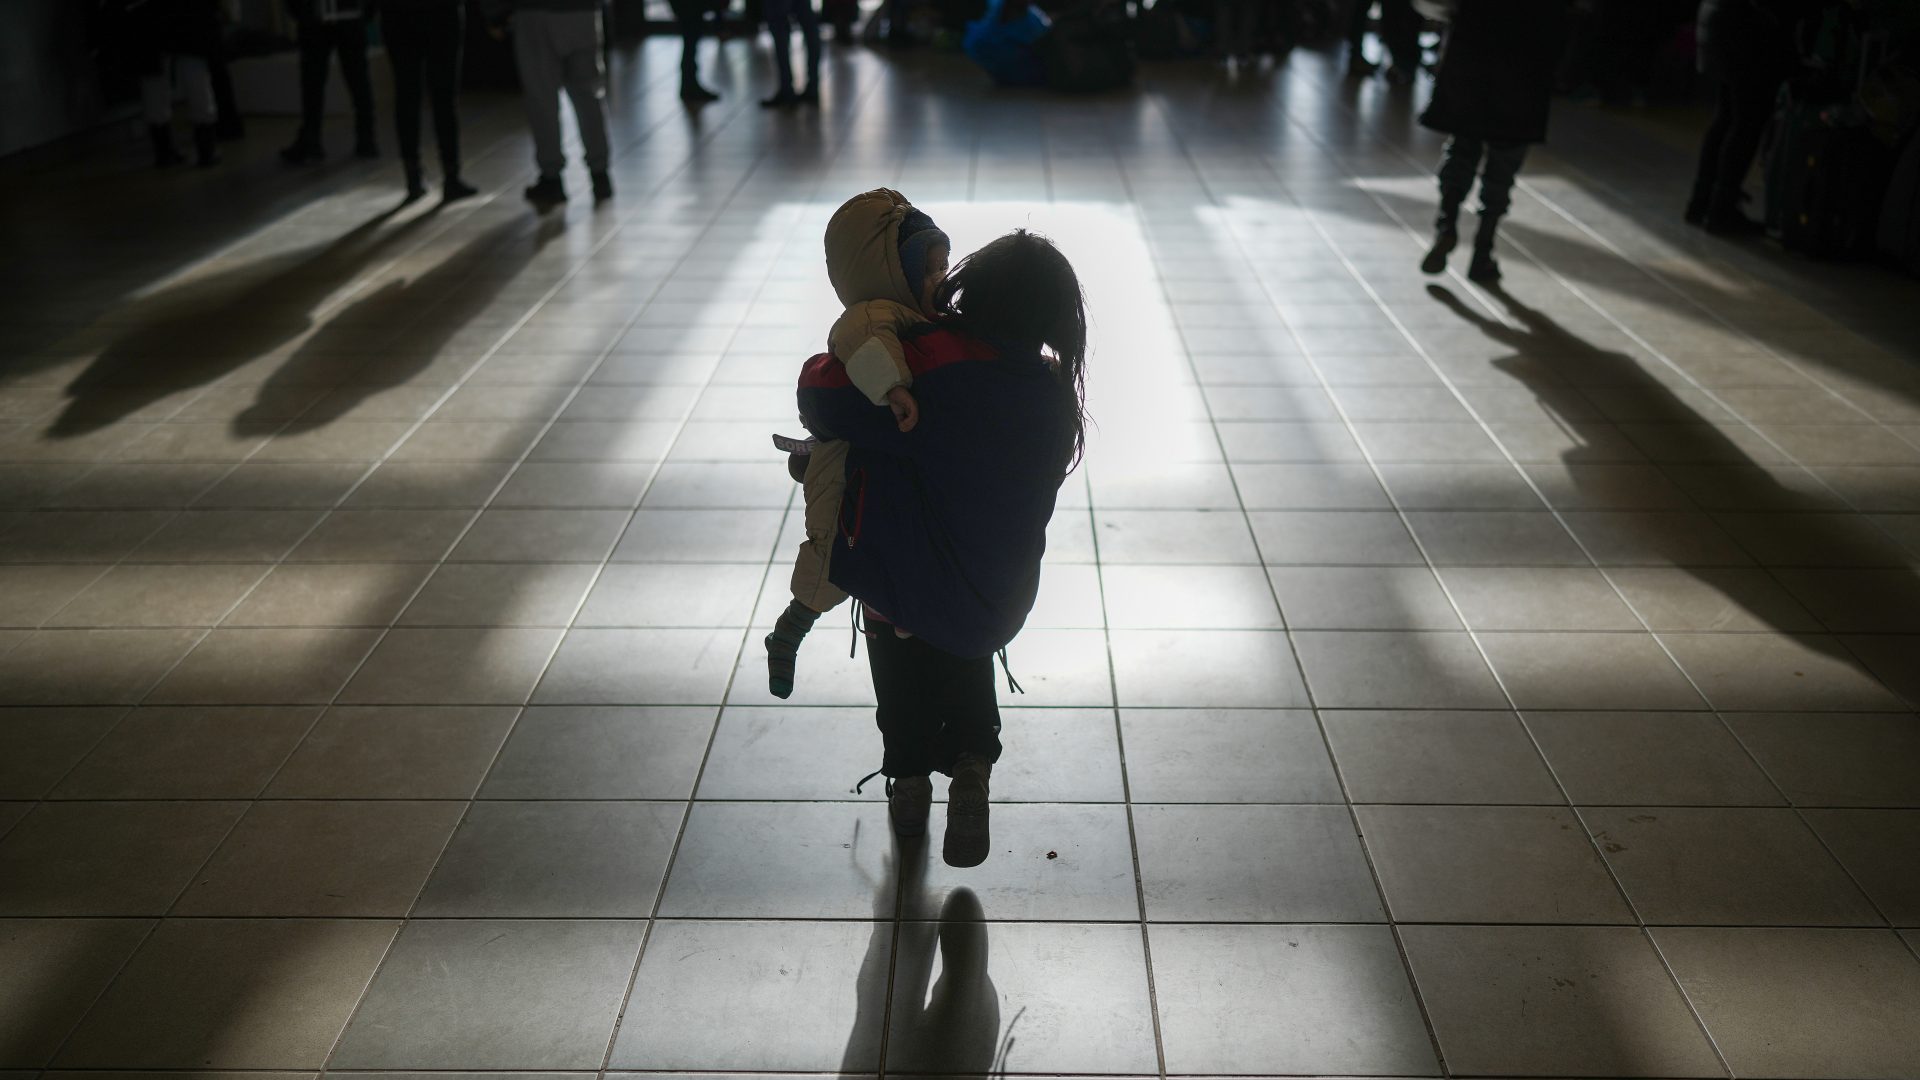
pixel 863 262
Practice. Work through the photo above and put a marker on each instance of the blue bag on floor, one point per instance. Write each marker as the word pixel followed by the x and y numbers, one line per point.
pixel 1007 48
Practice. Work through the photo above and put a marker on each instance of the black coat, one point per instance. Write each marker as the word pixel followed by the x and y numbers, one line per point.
pixel 1754 35
pixel 1497 69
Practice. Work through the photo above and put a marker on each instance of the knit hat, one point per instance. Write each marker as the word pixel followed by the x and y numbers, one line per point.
pixel 919 236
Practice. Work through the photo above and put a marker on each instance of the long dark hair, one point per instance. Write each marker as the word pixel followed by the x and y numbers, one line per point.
pixel 1020 291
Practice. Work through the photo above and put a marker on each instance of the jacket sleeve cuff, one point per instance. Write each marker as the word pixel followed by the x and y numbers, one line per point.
pixel 874 370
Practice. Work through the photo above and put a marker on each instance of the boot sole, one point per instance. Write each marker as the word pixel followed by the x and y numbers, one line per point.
pixel 968 840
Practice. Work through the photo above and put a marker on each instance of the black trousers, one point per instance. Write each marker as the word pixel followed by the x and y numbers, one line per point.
pixel 689 14
pixel 1461 161
pixel 424 45
pixel 1400 30
pixel 934 706
pixel 1746 101
pixel 318 42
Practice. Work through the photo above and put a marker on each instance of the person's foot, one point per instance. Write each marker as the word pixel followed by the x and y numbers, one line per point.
pixel 1361 68
pixel 301 152
pixel 1695 213
pixel 909 799
pixel 1483 270
pixel 602 186
pixel 783 647
pixel 809 96
pixel 366 149
pixel 547 191
pixel 456 189
pixel 781 100
pixel 694 94
pixel 1444 241
pixel 967 841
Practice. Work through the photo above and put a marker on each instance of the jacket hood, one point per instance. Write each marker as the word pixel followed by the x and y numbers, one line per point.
pixel 863 249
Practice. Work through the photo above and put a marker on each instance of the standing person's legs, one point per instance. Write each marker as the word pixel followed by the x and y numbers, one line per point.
pixel 1400 27
pixel 778 14
pixel 539 67
pixel 908 712
pixel 316 47
pixel 156 101
pixel 810 38
pixel 350 37
pixel 688 15
pixel 1458 164
pixel 1708 168
pixel 1751 96
pixel 405 33
pixel 444 41
pixel 585 79
pixel 196 82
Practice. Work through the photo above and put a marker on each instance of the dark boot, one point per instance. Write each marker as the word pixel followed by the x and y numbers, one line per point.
pixel 164 155
pixel 1484 270
pixel 602 186
pixel 206 145
pixel 693 93
pixel 547 191
pixel 455 189
pixel 1724 216
pixel 1446 236
pixel 416 183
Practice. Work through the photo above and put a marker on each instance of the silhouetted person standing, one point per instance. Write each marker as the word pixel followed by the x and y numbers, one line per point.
pixel 328 27
pixel 780 16
pixel 423 40
pixel 173 44
pixel 1747 47
pixel 556 45
pixel 690 15
pixel 1491 96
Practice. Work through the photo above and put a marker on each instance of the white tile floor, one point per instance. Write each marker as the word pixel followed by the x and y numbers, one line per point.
pixel 1426 681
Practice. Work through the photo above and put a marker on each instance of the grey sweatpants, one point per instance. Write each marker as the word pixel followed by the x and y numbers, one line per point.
pixel 561 50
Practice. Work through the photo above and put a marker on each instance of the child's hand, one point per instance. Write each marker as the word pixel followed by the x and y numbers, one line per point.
pixel 906 411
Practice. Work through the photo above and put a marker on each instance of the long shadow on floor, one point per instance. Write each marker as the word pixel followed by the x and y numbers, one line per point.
pixel 1540 345
pixel 208 328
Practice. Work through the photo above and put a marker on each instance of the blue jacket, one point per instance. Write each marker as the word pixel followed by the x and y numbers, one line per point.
pixel 942 528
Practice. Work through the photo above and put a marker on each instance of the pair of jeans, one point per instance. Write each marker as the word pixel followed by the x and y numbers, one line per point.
pixel 558 50
pixel 424 45
pixel 933 705
pixel 780 16
pixel 319 40
pixel 1460 162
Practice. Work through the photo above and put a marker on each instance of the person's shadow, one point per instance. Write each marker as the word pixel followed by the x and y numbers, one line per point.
pixel 206 329
pixel 952 1027
pixel 423 313
pixel 1540 345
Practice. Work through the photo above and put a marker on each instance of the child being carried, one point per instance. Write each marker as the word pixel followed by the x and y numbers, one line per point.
pixel 886 261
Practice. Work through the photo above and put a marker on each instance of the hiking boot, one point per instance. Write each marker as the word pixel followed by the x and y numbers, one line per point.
pixel 547 191
pixel 1444 241
pixel 908 800
pixel 967 841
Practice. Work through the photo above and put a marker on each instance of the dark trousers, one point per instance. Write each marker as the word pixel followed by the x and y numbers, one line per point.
pixel 318 42
pixel 780 15
pixel 1459 164
pixel 689 14
pixel 1746 102
pixel 934 706
pixel 1400 30
pixel 1357 13
pixel 424 45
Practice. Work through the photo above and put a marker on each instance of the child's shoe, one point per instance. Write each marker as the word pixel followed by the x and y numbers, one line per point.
pixel 909 798
pixel 783 647
pixel 967 841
